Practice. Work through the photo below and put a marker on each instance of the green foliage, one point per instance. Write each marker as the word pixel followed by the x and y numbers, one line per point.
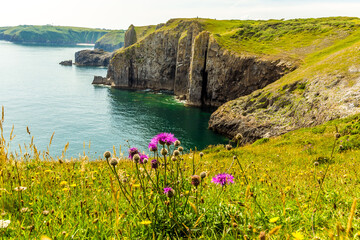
pixel 260 141
pixel 49 34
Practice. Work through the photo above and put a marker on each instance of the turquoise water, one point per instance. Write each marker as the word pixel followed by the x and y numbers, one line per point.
pixel 39 93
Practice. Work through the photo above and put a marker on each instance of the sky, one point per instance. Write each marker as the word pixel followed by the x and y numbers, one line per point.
pixel 119 14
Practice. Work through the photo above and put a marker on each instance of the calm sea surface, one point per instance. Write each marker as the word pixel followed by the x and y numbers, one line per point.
pixel 38 92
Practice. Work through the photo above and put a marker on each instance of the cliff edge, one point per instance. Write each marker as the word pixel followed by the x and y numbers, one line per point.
pixel 184 57
pixel 268 77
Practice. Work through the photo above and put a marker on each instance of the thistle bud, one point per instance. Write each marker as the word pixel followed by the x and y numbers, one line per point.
pixel 195 180
pixel 177 143
pixel 164 151
pixel 107 154
pixel 114 162
pixel 136 158
pixel 176 153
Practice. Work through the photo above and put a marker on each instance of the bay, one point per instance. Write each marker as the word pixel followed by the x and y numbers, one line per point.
pixel 39 93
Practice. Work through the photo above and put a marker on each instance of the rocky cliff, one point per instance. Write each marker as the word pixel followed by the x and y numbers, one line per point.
pixel 313 94
pixel 96 57
pixel 273 76
pixel 186 59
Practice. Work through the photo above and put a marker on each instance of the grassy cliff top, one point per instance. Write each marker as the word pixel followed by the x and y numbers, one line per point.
pixel 114 37
pixel 294 39
pixel 48 28
pixel 51 34
pixel 144 31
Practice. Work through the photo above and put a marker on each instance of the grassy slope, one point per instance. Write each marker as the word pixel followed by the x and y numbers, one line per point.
pixel 293 39
pixel 80 197
pixel 114 37
pixel 143 31
pixel 52 34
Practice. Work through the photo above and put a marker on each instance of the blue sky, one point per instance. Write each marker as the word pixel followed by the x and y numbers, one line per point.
pixel 119 14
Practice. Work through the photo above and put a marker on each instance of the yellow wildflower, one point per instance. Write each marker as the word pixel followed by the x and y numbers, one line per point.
pixel 298 236
pixel 145 222
pixel 274 219
pixel 65 189
pixel 73 185
pixel 62 183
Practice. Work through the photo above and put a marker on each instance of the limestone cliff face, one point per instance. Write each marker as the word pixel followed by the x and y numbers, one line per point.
pixel 190 62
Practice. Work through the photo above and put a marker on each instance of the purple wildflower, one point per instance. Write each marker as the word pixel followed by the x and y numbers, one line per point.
pixel 167 189
pixel 153 146
pixel 154 164
pixel 169 192
pixel 164 138
pixel 132 152
pixel 142 157
pixel 223 179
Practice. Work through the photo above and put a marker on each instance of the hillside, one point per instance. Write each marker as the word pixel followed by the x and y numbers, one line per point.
pixel 314 197
pixel 111 41
pixel 54 35
pixel 325 86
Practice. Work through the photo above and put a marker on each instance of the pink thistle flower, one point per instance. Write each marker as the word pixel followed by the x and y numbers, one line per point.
pixel 223 179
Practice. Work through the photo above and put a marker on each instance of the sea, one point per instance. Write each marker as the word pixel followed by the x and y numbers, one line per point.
pixel 42 98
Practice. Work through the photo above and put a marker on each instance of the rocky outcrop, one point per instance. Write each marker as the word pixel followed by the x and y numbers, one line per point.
pixel 96 57
pixel 189 61
pixel 98 80
pixel 130 36
pixel 66 63
pixel 311 95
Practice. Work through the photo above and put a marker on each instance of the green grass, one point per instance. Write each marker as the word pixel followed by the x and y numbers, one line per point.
pixel 114 37
pixel 287 186
pixel 49 34
pixel 143 31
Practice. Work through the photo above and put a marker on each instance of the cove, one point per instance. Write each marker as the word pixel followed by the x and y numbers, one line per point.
pixel 39 93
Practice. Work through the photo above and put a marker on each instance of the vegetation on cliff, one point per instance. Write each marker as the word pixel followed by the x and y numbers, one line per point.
pixel 111 41
pixel 49 34
pixel 315 196
pixel 325 86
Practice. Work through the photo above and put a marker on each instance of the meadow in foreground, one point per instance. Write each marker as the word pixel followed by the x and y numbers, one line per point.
pixel 302 185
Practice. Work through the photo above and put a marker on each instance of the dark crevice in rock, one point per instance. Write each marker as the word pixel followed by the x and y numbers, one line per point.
pixel 131 74
pixel 204 83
